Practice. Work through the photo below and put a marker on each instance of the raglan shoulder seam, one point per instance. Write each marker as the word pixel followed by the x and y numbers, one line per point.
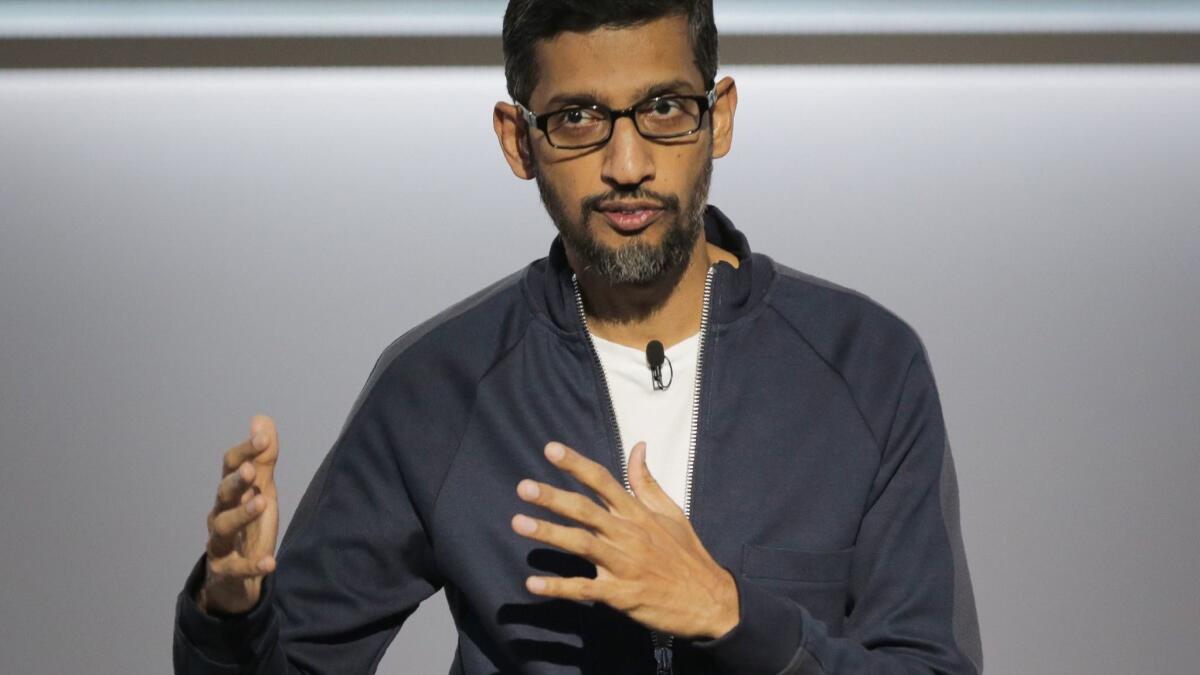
pixel 470 413
pixel 785 272
pixel 383 364
pixel 417 334
pixel 845 383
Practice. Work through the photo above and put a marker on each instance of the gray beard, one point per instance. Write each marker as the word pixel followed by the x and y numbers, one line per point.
pixel 637 263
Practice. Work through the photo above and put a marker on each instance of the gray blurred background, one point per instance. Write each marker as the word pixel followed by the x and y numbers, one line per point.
pixel 185 241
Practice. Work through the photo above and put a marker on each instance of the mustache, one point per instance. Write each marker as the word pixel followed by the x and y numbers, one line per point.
pixel 666 202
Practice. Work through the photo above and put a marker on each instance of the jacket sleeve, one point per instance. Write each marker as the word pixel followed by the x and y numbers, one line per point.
pixel 911 607
pixel 354 563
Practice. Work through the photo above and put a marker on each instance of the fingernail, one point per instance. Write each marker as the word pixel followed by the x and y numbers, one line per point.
pixel 555 452
pixel 524 523
pixel 536 584
pixel 528 489
pixel 264 564
pixel 252 506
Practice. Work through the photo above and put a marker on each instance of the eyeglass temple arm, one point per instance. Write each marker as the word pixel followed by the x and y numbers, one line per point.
pixel 530 118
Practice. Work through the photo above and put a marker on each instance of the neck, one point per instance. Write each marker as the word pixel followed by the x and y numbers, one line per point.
pixel 667 310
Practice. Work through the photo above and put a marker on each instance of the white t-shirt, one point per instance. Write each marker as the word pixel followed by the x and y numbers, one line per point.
pixel 661 418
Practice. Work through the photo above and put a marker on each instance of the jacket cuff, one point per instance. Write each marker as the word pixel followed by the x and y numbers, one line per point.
pixel 768 634
pixel 224 638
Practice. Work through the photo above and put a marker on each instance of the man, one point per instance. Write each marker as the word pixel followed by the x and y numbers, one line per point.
pixel 794 512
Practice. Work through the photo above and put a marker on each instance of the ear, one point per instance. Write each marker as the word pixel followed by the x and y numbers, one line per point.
pixel 514 140
pixel 722 116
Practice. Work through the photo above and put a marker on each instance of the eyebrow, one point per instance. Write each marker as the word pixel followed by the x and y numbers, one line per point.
pixel 591 97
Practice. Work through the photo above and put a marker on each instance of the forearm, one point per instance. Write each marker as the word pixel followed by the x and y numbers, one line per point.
pixel 776 636
pixel 213 643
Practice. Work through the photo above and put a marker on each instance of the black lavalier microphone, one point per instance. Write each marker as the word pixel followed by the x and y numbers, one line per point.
pixel 655 356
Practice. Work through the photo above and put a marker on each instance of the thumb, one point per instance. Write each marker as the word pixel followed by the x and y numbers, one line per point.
pixel 645 487
pixel 263 425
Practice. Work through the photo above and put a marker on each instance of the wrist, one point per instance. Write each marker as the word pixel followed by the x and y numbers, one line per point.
pixel 727 614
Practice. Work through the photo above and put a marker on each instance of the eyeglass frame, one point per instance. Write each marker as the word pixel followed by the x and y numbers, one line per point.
pixel 706 100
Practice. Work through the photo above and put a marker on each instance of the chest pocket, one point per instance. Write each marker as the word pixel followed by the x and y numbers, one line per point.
pixel 816 580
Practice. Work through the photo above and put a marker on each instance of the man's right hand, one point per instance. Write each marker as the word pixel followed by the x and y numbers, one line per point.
pixel 243 524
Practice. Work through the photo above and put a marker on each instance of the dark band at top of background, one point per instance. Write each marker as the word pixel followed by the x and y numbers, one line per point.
pixel 407 50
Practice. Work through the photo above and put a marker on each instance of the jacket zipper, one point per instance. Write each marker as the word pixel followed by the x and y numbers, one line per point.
pixel 662 652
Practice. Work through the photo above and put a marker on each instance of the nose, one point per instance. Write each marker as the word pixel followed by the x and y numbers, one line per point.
pixel 627 157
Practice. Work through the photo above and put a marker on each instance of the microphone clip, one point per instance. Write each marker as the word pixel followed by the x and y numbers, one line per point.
pixel 655 357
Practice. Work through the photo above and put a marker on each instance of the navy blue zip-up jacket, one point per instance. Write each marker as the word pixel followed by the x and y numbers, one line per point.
pixel 822 480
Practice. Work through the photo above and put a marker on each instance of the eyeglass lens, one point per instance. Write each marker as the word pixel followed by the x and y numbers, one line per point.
pixel 657 118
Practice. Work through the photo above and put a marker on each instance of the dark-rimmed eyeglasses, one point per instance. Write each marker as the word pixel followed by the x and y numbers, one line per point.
pixel 586 126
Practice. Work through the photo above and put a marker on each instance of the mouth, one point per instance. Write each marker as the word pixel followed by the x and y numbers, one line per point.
pixel 630 218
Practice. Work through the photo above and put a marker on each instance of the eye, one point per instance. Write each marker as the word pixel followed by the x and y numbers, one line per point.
pixel 576 127
pixel 578 116
pixel 665 107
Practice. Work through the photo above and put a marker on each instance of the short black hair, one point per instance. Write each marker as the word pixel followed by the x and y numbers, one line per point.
pixel 527 21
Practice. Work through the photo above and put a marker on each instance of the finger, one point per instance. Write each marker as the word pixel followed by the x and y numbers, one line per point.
pixel 573 540
pixel 645 487
pixel 233 486
pixel 570 588
pixel 595 476
pixel 236 566
pixel 249 494
pixel 226 524
pixel 573 505
pixel 245 451
pixel 227 529
pixel 263 425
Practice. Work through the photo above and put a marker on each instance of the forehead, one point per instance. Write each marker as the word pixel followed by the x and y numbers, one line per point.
pixel 616 63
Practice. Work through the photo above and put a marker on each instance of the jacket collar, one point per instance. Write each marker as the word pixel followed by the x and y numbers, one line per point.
pixel 736 291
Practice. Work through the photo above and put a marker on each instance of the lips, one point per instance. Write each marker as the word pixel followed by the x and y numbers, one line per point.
pixel 630 217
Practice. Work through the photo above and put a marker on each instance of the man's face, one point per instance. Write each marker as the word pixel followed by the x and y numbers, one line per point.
pixel 589 193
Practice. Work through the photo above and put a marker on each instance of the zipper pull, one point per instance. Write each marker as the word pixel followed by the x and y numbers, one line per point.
pixel 662 656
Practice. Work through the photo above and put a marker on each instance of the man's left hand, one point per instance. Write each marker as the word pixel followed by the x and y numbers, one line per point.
pixel 649 562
